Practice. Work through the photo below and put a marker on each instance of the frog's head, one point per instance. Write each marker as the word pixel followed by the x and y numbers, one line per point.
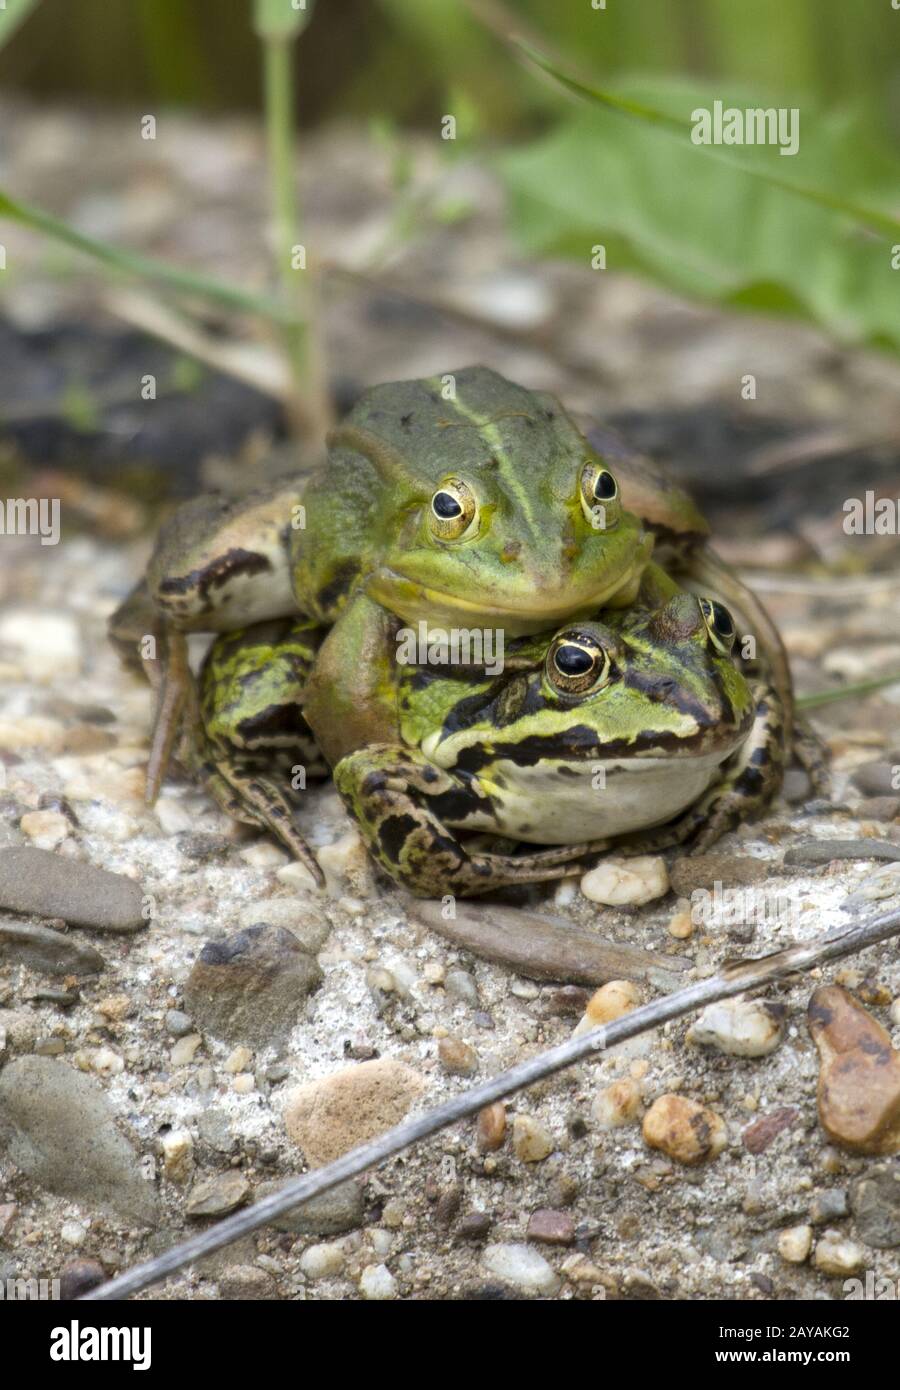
pixel 655 683
pixel 493 508
pixel 639 686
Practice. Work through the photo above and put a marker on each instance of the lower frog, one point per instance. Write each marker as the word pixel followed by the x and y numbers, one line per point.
pixel 592 739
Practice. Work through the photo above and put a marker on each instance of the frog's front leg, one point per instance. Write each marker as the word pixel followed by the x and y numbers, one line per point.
pixel 400 802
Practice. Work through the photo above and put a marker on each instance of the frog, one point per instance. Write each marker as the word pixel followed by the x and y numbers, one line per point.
pixel 632 729
pixel 460 499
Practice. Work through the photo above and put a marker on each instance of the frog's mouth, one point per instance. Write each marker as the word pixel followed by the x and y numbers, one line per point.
pixel 413 601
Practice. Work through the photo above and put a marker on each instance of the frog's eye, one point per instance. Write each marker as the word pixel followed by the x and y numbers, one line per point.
pixel 453 509
pixel 599 496
pixel 719 625
pixel 576 665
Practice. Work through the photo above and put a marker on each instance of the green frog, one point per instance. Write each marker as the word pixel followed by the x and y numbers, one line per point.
pixel 458 501
pixel 595 736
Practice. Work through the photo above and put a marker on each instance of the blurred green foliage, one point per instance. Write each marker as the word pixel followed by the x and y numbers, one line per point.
pixel 406 58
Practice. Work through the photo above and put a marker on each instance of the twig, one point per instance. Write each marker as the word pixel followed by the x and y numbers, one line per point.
pixel 731 979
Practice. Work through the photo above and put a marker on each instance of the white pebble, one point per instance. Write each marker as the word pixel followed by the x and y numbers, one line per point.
pixel 795 1243
pixel 522 1267
pixel 741 1027
pixel 72 1232
pixel 834 1254
pixel 627 882
pixel 322 1261
pixel 46 829
pixel 377 1283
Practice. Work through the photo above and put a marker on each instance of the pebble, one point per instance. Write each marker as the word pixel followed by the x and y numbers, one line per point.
pixel 795 1243
pixel 696 871
pixel 569 1001
pixel 681 925
pixel 757 1137
pixel 72 1233
pixel 686 1131
pixel 462 986
pixel 610 1001
pixel 859 1074
pixel 250 987
pixel 178 1023
pixel 48 885
pixel 78 1277
pixel 323 1261
pixel 491 1127
pixel 627 882
pixel 178 1155
pixel 551 1227
pixel 532 1141
pixel 51 952
pixel 875 887
pixel 457 1057
pixel 740 1027
pixel 876 779
pixel 617 1104
pixel 813 853
pixel 245 1282
pixel 296 915
pixel 238 1060
pixel 332 1213
pixel 185 1050
pixel 835 1254
pixel 875 1201
pixel 830 1205
pixel 217 1195
pixel 63 1135
pixel 523 1268
pixel 46 828
pixel 327 1117
pixel 475 1225
pixel 377 1284
pixel 173 816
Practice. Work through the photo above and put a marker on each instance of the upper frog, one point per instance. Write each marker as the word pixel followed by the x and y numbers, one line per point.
pixel 466 499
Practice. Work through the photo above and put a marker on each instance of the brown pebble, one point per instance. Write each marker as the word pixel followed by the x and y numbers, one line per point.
pixel 686 1131
pixel 551 1227
pixel 758 1136
pixel 457 1057
pixel 491 1128
pixel 859 1074
pixel 474 1225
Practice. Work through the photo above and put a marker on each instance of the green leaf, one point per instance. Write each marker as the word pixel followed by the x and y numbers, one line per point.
pixel 816 243
pixel 145 267
pixel 881 221
pixel 280 19
pixel 12 15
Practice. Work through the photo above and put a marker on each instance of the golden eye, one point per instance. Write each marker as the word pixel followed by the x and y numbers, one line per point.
pixel 576 664
pixel 599 493
pixel 453 509
pixel 719 625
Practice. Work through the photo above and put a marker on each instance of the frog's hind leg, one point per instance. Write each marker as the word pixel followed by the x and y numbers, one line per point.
pixel 402 804
pixel 812 755
pixel 252 746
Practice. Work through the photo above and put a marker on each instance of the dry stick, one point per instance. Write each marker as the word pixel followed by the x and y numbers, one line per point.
pixel 734 978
